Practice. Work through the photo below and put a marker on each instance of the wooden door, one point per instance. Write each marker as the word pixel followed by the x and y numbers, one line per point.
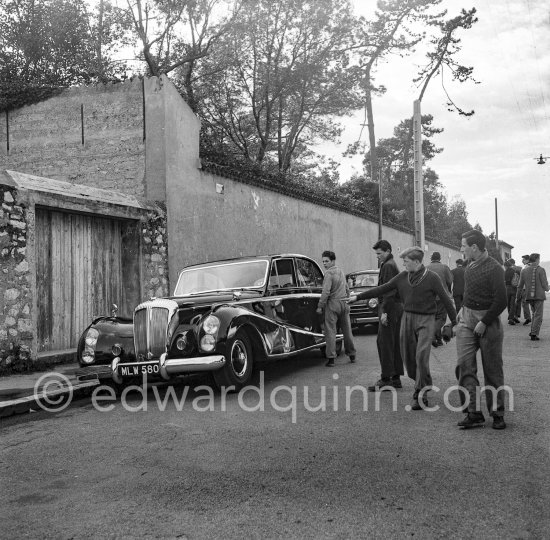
pixel 79 274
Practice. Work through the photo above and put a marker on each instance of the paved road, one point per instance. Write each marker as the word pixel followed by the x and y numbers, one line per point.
pixel 232 473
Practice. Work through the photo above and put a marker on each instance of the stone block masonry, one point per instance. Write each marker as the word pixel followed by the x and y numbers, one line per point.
pixel 16 328
pixel 87 135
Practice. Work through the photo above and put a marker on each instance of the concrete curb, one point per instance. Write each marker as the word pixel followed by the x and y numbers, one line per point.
pixel 42 401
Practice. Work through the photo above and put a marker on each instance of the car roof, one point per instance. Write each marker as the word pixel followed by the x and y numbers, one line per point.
pixel 372 271
pixel 249 258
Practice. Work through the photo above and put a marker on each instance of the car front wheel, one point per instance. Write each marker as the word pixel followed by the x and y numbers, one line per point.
pixel 239 363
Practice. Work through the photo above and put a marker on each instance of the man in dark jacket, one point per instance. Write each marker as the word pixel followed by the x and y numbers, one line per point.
pixel 418 287
pixel 479 328
pixel 533 279
pixel 446 277
pixel 511 279
pixel 390 311
pixel 458 284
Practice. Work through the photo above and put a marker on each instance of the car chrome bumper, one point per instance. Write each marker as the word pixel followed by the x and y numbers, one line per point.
pixel 363 320
pixel 168 367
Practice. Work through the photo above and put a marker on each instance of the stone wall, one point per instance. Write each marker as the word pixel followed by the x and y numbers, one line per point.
pixel 155 255
pixel 91 135
pixel 16 332
pixel 144 252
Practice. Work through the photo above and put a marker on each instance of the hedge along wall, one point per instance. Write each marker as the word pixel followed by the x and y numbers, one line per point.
pixel 211 213
pixel 214 213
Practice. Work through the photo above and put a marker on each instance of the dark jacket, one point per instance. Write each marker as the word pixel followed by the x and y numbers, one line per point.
pixel 444 273
pixel 388 270
pixel 533 278
pixel 458 281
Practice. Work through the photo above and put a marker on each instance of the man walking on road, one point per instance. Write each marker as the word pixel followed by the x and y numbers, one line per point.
pixel 522 304
pixel 458 283
pixel 446 277
pixel 533 278
pixel 334 302
pixel 390 311
pixel 511 279
pixel 479 328
pixel 418 287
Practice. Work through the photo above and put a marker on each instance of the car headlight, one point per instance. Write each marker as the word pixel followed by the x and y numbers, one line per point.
pixel 87 357
pixel 211 324
pixel 208 342
pixel 90 341
pixel 373 302
pixel 91 337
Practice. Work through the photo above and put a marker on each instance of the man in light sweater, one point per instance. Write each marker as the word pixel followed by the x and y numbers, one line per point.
pixel 334 303
pixel 479 328
pixel 418 288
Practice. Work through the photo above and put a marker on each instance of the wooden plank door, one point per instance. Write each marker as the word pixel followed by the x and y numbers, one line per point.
pixel 79 274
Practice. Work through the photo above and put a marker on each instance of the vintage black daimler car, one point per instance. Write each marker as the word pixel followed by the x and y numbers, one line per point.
pixel 363 312
pixel 223 317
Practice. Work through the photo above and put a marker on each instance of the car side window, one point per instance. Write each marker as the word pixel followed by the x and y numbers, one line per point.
pixel 308 274
pixel 282 274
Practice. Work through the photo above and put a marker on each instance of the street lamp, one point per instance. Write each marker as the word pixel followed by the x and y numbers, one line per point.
pixel 542 159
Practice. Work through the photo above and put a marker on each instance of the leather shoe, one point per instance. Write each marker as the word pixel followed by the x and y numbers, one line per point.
pixel 511 322
pixel 417 406
pixel 499 423
pixel 396 382
pixel 330 362
pixel 352 359
pixel 516 320
pixel 526 322
pixel 381 386
pixel 472 420
pixel 534 338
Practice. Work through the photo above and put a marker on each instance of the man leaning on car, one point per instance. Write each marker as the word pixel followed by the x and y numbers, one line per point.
pixel 334 303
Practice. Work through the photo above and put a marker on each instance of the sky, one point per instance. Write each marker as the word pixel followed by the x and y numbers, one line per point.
pixel 491 154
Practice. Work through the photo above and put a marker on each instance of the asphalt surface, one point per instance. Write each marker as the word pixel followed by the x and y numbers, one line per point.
pixel 209 468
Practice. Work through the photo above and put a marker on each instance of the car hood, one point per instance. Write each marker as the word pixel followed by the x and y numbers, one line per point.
pixel 208 299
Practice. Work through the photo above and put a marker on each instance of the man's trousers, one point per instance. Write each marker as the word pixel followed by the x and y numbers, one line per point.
pixel 387 342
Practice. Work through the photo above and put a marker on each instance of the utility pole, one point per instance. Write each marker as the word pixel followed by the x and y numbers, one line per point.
pixel 380 201
pixel 496 224
pixel 419 235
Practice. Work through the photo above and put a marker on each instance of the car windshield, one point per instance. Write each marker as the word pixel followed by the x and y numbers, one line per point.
pixel 222 277
pixel 363 280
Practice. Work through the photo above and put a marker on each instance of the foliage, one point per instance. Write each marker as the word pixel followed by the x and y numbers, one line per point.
pixel 48 44
pixel 276 81
pixel 445 47
pixel 442 220
pixel 174 34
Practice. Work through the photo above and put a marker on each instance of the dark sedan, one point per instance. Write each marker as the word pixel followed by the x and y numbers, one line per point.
pixel 223 317
pixel 363 312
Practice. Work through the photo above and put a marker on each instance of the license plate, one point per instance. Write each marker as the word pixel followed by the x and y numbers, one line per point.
pixel 139 369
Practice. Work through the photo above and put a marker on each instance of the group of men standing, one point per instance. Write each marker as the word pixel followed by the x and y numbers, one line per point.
pixel 525 289
pixel 413 307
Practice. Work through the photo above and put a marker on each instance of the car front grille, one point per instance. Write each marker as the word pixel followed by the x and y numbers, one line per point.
pixel 358 310
pixel 151 321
